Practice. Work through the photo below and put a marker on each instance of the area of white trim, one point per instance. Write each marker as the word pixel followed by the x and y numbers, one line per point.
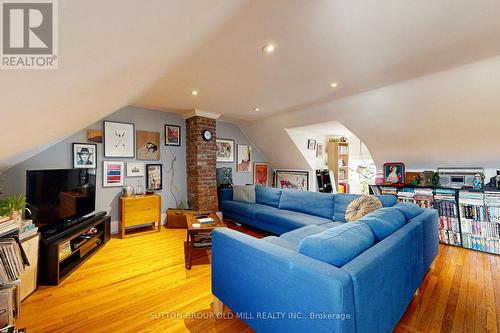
pixel 201 113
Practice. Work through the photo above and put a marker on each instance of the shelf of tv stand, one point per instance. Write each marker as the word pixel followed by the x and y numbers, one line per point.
pixel 52 270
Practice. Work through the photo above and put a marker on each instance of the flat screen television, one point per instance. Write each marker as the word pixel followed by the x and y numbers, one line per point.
pixel 56 197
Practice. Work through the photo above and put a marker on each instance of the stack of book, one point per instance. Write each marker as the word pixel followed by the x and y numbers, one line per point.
pixel 8 225
pixel 449 224
pixel 406 195
pixel 389 190
pixel 202 239
pixel 424 197
pixel 11 260
pixel 28 229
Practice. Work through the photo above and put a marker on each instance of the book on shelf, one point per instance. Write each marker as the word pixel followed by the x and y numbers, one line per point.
pixel 202 239
pixel 389 190
pixel 424 197
pixel 8 226
pixel 11 260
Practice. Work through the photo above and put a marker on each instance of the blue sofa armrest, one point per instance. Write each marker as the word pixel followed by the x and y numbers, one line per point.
pixel 255 278
pixel 226 194
pixel 430 223
pixel 385 278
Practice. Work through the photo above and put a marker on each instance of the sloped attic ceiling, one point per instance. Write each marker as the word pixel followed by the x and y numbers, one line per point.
pixel 153 53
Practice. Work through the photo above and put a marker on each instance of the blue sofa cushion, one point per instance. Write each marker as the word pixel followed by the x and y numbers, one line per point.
pixel 245 209
pixel 342 200
pixel 280 242
pixel 268 196
pixel 312 203
pixel 409 210
pixel 288 218
pixel 295 236
pixel 337 246
pixel 384 221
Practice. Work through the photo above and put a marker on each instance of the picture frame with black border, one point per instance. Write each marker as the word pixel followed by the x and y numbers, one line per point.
pixel 84 155
pixel 172 135
pixel 154 177
pixel 224 150
pixel 118 139
pixel 311 144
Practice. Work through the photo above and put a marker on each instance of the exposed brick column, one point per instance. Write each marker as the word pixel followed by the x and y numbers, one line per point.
pixel 201 165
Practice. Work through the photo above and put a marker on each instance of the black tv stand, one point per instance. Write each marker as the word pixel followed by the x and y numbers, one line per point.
pixel 64 251
pixel 63 229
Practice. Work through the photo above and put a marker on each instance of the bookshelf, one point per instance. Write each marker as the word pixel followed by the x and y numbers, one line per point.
pixel 467 218
pixel 338 162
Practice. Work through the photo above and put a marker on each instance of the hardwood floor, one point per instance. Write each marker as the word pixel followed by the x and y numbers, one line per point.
pixel 139 284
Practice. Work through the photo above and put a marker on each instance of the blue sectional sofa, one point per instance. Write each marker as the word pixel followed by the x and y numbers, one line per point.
pixel 321 274
pixel 278 211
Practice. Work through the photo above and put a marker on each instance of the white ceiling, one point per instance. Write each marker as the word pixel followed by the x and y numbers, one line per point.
pixel 361 44
pixel 327 128
pixel 153 53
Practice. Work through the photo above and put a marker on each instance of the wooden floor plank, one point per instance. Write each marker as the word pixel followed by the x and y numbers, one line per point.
pixel 140 284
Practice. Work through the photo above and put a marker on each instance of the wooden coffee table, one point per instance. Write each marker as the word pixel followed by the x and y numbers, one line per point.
pixel 200 232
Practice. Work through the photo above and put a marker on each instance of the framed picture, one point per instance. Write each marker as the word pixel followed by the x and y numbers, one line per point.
pixel 84 155
pixel 311 144
pixel 261 174
pixel 394 173
pixel 172 135
pixel 319 150
pixel 119 139
pixel 147 145
pixel 153 177
pixel 244 163
pixel 94 135
pixel 113 173
pixel 135 169
pixel 225 150
pixel 292 179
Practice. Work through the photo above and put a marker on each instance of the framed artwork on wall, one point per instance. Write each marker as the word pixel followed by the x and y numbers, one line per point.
pixel 319 150
pixel 135 169
pixel 244 163
pixel 172 135
pixel 225 150
pixel 147 145
pixel 311 144
pixel 394 173
pixel 119 139
pixel 154 177
pixel 261 174
pixel 292 179
pixel 113 173
pixel 94 135
pixel 84 155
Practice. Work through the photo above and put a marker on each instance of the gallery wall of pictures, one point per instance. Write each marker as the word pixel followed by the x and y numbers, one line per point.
pixel 122 141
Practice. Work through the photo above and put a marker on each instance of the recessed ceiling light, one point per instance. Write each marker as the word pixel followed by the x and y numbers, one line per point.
pixel 334 85
pixel 256 109
pixel 268 48
pixel 194 92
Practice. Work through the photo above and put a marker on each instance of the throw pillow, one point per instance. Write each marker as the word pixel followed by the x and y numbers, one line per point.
pixel 245 193
pixel 362 206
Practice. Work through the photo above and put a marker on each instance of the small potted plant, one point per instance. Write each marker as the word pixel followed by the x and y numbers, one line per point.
pixel 14 206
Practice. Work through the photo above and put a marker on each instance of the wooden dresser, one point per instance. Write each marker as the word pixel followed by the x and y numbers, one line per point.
pixel 140 210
